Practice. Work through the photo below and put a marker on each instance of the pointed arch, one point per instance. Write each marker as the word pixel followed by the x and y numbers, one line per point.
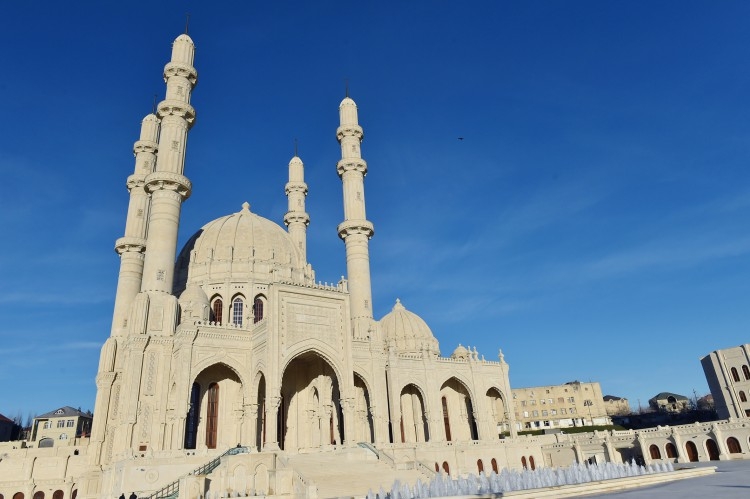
pixel 692 451
pixel 363 424
pixel 238 310
pixel 733 446
pixel 413 423
pixel 671 450
pixel 217 309
pixel 713 449
pixel 654 452
pixel 259 305
pixel 460 409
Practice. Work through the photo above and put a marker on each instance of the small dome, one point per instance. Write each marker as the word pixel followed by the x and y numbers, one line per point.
pixel 242 246
pixel 460 353
pixel 193 304
pixel 348 101
pixel 409 331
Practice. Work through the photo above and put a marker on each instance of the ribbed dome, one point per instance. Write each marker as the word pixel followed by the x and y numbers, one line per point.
pixel 240 246
pixel 409 331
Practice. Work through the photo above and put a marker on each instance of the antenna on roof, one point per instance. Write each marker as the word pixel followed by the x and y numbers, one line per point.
pixel 187 22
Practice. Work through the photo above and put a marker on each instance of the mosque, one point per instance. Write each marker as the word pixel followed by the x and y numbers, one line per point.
pixel 230 370
pixel 236 344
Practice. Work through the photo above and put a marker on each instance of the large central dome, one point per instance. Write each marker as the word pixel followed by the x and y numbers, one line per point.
pixel 242 246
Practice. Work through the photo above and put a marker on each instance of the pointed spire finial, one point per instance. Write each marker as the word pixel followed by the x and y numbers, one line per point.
pixel 187 22
pixel 153 109
pixel 295 147
pixel 346 86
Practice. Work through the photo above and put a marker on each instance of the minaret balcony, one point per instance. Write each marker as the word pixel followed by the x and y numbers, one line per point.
pixel 295 187
pixel 351 165
pixel 182 70
pixel 350 131
pixel 351 227
pixel 130 245
pixel 298 217
pixel 174 107
pixel 169 181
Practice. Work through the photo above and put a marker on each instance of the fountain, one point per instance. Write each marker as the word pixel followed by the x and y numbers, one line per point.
pixel 507 480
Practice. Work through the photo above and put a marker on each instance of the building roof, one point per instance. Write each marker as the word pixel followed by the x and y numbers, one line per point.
pixel 607 398
pixel 63 412
pixel 3 419
pixel 666 395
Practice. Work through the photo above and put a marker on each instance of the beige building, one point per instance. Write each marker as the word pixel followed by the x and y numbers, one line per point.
pixel 728 376
pixel 616 406
pixel 669 402
pixel 63 426
pixel 560 406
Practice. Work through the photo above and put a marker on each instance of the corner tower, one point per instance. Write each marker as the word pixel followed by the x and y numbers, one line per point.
pixel 355 230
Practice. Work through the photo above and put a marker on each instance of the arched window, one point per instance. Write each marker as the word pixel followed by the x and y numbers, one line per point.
pixel 217 309
pixel 494 465
pixel 38 494
pixel 257 309
pixel 735 374
pixel 446 468
pixel 74 494
pixel 654 451
pixel 671 450
pixel 437 468
pixel 531 462
pixel 237 307
pixel 524 465
pixel 743 397
pixel 58 494
pixel 212 415
pixel 18 495
pixel 46 442
pixel 733 446
pixel 480 466
pixel 746 371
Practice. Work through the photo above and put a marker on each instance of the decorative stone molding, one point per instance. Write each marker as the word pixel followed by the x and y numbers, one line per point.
pixel 135 182
pixel 296 217
pixel 357 165
pixel 130 245
pixel 295 187
pixel 353 227
pixel 145 146
pixel 169 181
pixel 182 70
pixel 350 131
pixel 178 108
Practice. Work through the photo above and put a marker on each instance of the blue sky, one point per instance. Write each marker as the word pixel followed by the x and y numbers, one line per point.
pixel 593 223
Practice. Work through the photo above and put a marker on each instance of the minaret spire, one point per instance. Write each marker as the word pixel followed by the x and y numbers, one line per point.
pixel 132 246
pixel 355 230
pixel 297 219
pixel 167 185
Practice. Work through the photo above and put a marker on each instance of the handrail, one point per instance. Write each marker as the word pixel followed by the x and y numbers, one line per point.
pixel 382 456
pixel 172 490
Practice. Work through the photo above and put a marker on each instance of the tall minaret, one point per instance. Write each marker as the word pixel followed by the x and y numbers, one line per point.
pixel 297 219
pixel 168 187
pixel 132 246
pixel 355 230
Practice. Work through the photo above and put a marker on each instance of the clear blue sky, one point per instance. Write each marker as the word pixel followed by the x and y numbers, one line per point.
pixel 593 223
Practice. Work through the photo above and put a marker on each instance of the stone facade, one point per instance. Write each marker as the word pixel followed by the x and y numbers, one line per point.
pixel 728 376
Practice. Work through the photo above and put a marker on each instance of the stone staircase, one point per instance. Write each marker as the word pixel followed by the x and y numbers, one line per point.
pixel 351 472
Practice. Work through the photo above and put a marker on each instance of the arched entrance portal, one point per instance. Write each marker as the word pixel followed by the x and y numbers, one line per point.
pixel 310 412
pixel 413 418
pixel 459 420
pixel 499 411
pixel 363 428
pixel 713 449
pixel 211 421
pixel 692 451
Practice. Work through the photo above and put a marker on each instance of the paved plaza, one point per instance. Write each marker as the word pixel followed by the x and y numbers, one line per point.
pixel 731 480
